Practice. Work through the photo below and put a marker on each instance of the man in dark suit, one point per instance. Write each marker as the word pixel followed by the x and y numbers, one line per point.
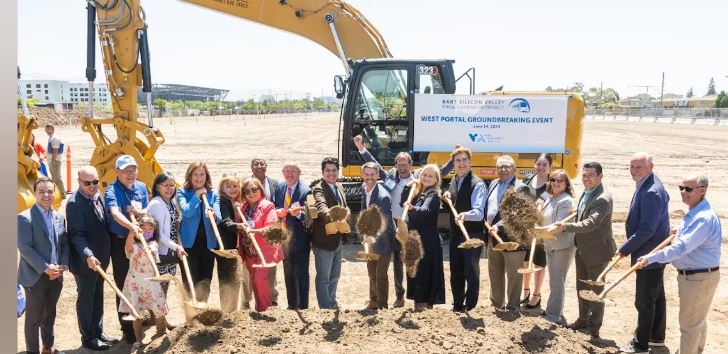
pixel 289 200
pixel 327 248
pixel 648 224
pixel 43 247
pixel 90 247
pixel 594 243
pixel 505 264
pixel 259 167
pixel 375 194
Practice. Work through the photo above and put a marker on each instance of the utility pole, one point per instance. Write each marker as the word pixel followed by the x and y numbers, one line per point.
pixel 662 89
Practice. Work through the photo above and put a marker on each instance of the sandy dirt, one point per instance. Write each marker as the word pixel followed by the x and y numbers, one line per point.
pixel 228 143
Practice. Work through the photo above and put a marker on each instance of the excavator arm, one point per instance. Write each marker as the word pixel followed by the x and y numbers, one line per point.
pixel 122 34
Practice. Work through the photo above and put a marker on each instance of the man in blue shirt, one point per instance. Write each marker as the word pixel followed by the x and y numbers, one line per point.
pixel 695 253
pixel 123 196
pixel 647 225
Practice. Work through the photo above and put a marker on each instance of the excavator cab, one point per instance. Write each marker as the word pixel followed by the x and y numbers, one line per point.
pixel 379 106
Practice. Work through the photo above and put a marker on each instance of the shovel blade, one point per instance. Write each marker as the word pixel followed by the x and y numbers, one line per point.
pixel 590 296
pixel 402 231
pixel 131 318
pixel 267 265
pixel 225 253
pixel 593 282
pixel 471 243
pixel 529 270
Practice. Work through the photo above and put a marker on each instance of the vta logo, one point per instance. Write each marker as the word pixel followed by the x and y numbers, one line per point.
pixel 520 105
pixel 476 138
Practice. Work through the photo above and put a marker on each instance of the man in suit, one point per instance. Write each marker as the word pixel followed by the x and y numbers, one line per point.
pixel 594 243
pixel 503 265
pixel 327 250
pixel 43 247
pixel 395 181
pixel 383 246
pixel 259 167
pixel 289 200
pixel 648 224
pixel 90 247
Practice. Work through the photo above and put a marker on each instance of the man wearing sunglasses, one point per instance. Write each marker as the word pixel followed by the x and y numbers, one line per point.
pixel 647 225
pixel 90 247
pixel 695 253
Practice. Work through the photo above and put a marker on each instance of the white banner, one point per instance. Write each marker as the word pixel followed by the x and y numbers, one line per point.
pixel 516 124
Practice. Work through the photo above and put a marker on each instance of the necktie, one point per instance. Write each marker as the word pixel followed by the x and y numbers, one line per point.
pixel 99 209
pixel 336 194
pixel 288 197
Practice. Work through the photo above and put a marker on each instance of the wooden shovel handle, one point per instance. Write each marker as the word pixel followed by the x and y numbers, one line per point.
pixel 611 264
pixel 252 237
pixel 533 251
pixel 492 232
pixel 188 276
pixel 118 292
pixel 454 215
pixel 569 217
pixel 146 248
pixel 410 196
pixel 212 222
pixel 636 266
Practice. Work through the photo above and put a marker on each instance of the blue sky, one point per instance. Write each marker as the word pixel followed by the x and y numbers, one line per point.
pixel 523 45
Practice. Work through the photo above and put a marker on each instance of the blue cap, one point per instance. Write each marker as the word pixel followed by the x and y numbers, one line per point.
pixel 125 161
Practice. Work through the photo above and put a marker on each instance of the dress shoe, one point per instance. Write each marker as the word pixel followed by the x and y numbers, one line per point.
pixel 371 305
pixel 536 305
pixel 632 348
pixel 578 324
pixel 97 345
pixel 129 338
pixel 399 302
pixel 107 339
pixel 51 351
pixel 595 333
pixel 458 309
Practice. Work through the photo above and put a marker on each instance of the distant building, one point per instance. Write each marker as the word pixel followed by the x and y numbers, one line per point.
pixel 175 92
pixel 78 92
pixel 46 91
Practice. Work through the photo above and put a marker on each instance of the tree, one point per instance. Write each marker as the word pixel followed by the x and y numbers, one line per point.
pixel 722 100
pixel 690 93
pixel 711 87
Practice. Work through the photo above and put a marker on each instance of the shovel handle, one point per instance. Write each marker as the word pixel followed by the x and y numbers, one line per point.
pixel 569 217
pixel 188 276
pixel 611 265
pixel 460 223
pixel 252 238
pixel 118 292
pixel 492 232
pixel 410 196
pixel 212 222
pixel 146 248
pixel 635 267
pixel 533 251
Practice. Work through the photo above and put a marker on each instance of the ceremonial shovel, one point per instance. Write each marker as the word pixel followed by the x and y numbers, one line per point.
pixel 590 295
pixel 134 315
pixel 543 233
pixel 600 279
pixel 220 252
pixel 469 242
pixel 368 224
pixel 501 246
pixel 158 278
pixel 402 230
pixel 188 277
pixel 263 263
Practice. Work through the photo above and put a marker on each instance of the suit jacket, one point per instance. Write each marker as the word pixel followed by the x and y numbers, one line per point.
pixel 35 247
pixel 515 183
pixel 192 208
pixel 385 242
pixel 325 198
pixel 272 184
pixel 391 178
pixel 301 238
pixel 88 234
pixel 648 221
pixel 593 228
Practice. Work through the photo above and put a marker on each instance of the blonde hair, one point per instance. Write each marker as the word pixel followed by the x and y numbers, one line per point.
pixel 436 171
pixel 230 179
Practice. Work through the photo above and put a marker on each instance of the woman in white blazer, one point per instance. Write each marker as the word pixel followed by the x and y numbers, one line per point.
pixel 163 208
pixel 559 251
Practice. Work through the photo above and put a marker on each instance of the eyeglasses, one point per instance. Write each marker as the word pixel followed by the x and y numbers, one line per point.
pixel 688 189
pixel 88 183
pixel 504 167
pixel 554 180
pixel 252 190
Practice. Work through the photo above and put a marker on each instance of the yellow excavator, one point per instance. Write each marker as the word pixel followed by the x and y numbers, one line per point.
pixel 377 90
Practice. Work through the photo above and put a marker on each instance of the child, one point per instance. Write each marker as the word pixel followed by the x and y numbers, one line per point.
pixel 145 295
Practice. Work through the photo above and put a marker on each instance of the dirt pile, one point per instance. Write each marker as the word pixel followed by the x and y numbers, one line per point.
pixel 395 330
pixel 46 115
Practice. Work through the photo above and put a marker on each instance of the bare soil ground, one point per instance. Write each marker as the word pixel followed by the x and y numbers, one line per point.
pixel 228 143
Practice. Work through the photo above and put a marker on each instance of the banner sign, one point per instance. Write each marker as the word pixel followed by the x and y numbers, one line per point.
pixel 517 124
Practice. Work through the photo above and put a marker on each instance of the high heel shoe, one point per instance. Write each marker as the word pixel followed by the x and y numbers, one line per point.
pixel 525 300
pixel 537 305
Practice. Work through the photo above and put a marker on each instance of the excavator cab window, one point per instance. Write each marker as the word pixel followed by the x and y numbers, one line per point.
pixel 380 113
pixel 428 80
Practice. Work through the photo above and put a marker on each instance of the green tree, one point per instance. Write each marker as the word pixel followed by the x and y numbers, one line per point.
pixel 690 93
pixel 711 87
pixel 722 100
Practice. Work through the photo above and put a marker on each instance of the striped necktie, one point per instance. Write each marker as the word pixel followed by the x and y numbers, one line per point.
pixel 288 197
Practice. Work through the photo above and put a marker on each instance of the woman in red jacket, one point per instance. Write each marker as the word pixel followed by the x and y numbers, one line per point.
pixel 261 216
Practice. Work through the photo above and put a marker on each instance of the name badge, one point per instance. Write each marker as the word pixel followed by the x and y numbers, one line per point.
pixel 544 196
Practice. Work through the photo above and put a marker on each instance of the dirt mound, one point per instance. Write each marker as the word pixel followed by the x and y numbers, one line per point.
pixel 46 115
pixel 399 330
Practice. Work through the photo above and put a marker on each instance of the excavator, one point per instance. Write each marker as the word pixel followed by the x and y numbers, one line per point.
pixel 377 90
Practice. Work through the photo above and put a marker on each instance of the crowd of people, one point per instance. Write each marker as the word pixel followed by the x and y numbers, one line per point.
pixel 145 237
